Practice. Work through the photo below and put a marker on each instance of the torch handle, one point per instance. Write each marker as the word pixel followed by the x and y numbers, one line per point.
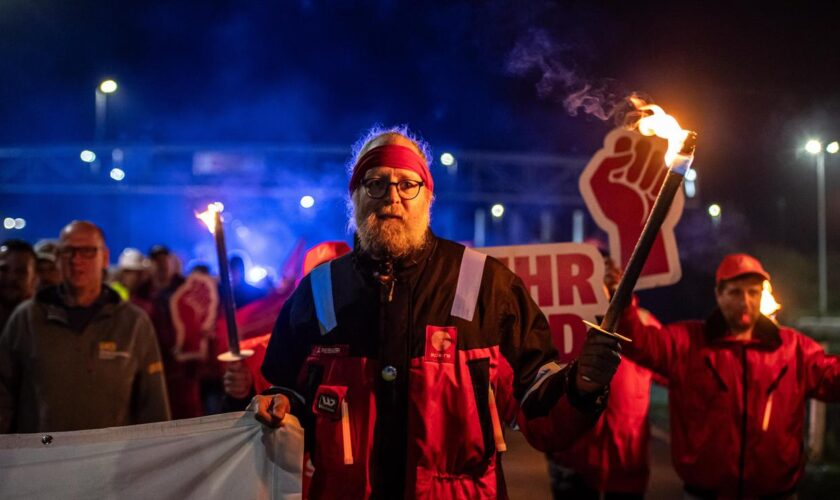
pixel 621 297
pixel 227 287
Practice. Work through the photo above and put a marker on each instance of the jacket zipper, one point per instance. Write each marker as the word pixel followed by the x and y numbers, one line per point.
pixel 743 458
pixel 719 379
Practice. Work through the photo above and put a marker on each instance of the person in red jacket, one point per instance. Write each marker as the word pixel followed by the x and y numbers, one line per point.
pixel 738 384
pixel 611 460
pixel 392 355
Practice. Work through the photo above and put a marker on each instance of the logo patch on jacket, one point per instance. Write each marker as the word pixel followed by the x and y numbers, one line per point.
pixel 328 403
pixel 441 342
pixel 330 351
pixel 108 350
pixel 328 400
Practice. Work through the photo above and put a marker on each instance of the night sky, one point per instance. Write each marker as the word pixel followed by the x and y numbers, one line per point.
pixel 755 81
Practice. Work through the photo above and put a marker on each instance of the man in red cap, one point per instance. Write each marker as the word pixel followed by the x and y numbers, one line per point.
pixel 390 355
pixel 738 384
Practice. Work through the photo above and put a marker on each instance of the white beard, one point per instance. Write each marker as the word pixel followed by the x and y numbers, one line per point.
pixel 394 237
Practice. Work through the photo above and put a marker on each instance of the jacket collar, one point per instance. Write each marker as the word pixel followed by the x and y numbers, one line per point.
pixel 765 333
pixel 53 299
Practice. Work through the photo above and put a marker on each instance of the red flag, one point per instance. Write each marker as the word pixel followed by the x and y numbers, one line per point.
pixel 294 263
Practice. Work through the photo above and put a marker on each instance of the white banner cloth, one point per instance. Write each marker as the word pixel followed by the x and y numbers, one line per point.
pixel 221 456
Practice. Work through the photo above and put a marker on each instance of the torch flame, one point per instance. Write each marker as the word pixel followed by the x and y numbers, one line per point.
pixel 661 125
pixel 208 217
pixel 769 306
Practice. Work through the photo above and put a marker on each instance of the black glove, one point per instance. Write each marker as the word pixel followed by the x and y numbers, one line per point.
pixel 597 362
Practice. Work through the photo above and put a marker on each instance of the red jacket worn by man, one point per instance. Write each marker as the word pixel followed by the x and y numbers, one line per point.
pixel 738 384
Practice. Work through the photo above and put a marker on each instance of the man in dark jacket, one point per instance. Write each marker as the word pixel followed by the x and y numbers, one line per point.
pixel 77 356
pixel 390 355
pixel 738 384
pixel 17 276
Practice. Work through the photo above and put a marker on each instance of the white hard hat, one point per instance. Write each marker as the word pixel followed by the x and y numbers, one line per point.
pixel 46 250
pixel 132 259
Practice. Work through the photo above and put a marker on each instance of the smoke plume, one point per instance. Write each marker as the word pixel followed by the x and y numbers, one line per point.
pixel 538 53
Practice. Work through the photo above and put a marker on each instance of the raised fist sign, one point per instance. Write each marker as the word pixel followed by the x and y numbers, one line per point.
pixel 619 186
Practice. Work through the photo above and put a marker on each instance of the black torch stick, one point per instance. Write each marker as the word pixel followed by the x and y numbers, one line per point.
pixel 227 287
pixel 672 183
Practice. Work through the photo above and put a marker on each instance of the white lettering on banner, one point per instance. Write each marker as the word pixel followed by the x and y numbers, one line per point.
pixel 221 456
pixel 566 280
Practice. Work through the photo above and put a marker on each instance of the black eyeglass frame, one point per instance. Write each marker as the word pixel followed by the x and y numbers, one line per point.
pixel 387 187
pixel 84 252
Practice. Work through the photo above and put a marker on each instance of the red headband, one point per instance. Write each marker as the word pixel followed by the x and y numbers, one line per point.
pixel 391 155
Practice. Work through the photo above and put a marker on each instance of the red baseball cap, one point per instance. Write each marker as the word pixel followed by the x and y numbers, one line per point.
pixel 739 264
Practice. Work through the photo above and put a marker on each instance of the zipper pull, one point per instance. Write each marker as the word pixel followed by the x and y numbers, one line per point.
pixel 385 276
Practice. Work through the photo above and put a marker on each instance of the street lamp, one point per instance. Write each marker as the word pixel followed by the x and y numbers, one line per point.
pixel 102 91
pixel 815 147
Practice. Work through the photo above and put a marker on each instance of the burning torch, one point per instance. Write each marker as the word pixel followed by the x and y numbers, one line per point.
pixel 212 217
pixel 769 307
pixel 678 158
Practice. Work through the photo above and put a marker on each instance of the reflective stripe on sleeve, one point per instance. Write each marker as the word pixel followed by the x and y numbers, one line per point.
pixel 322 294
pixel 469 284
pixel 545 371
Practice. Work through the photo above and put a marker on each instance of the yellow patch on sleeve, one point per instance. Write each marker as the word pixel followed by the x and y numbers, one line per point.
pixel 107 346
pixel 155 367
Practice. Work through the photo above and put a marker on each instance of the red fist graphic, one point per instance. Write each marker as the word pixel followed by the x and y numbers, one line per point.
pixel 619 186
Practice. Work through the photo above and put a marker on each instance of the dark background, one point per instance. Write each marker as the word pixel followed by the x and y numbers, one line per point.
pixel 755 80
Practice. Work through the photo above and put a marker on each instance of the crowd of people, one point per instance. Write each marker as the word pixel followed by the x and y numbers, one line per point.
pixel 405 357
pixel 106 332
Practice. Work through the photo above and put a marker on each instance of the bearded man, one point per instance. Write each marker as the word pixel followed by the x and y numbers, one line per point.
pixel 393 356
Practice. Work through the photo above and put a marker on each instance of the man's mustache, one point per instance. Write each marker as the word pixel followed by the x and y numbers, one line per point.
pixel 388 212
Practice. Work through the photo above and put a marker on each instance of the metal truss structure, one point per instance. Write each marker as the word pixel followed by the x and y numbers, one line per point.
pixel 276 171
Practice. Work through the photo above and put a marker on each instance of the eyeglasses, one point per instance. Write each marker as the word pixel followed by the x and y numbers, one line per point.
pixel 378 187
pixel 84 252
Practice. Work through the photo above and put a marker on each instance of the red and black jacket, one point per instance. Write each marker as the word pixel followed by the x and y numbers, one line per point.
pixel 395 374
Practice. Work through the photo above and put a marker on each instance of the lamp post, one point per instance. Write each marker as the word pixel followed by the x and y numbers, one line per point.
pixel 815 147
pixel 102 91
